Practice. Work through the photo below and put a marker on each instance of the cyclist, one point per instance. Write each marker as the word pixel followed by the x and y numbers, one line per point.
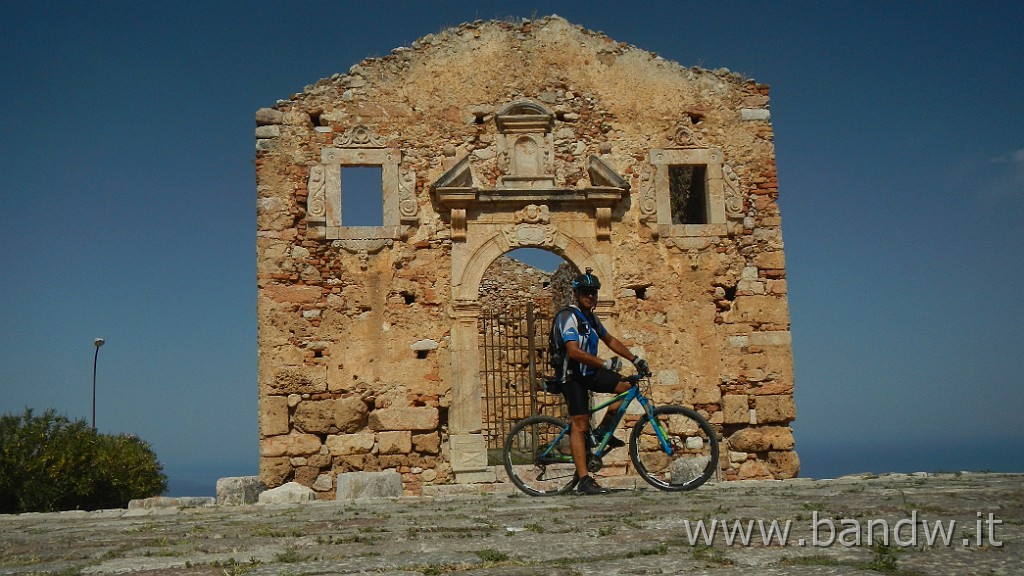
pixel 584 372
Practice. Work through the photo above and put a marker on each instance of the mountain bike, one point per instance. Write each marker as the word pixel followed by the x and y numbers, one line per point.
pixel 672 447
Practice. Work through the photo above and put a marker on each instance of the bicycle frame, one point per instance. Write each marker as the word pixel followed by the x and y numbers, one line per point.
pixel 627 398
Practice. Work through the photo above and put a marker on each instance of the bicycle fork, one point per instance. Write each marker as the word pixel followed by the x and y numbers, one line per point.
pixel 659 431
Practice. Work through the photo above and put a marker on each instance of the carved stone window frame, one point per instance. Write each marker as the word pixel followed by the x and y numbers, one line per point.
pixel 723 202
pixel 324 203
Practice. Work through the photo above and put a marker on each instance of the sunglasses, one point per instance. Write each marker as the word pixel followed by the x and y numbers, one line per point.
pixel 588 292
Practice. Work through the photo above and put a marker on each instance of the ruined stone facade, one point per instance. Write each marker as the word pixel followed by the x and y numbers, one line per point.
pixel 490 137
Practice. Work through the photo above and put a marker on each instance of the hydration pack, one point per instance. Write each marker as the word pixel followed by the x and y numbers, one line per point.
pixel 556 347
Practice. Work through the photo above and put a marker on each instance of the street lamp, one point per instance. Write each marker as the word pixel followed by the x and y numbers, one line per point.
pixel 97 342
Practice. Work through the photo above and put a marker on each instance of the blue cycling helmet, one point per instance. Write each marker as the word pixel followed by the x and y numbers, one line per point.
pixel 586 280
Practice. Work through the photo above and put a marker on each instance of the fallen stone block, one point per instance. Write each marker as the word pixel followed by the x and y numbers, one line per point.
pixel 169 502
pixel 290 493
pixel 239 490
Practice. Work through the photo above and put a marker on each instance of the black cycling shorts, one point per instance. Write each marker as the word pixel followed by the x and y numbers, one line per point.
pixel 576 389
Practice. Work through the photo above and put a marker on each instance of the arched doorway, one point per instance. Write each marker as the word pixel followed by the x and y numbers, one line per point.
pixel 470 261
pixel 519 295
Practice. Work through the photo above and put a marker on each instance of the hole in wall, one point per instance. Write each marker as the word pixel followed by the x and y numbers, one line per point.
pixel 421 354
pixel 730 293
pixel 641 293
pixel 314 117
pixel 409 297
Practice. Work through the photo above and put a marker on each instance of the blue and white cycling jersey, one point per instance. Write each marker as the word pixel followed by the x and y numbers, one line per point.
pixel 569 328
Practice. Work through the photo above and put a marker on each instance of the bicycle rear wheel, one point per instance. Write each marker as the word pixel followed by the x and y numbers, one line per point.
pixel 692 442
pixel 537 457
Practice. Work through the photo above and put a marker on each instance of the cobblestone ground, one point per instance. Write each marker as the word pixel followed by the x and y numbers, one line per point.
pixel 627 532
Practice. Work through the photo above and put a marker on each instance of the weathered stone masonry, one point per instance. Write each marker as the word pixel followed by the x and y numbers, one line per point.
pixel 489 137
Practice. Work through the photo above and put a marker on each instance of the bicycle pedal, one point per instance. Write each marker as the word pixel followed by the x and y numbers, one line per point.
pixel 614 442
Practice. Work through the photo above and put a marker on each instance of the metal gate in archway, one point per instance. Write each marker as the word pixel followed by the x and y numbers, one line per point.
pixel 514 356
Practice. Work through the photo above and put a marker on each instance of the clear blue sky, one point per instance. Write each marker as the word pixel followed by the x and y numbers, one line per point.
pixel 127 200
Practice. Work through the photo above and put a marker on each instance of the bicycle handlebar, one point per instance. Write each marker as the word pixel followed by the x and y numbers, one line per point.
pixel 636 378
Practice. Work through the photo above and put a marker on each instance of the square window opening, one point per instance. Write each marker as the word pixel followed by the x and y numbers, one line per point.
pixel 362 196
pixel 688 194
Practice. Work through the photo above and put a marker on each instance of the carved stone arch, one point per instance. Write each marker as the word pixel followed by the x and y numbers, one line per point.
pixel 466 278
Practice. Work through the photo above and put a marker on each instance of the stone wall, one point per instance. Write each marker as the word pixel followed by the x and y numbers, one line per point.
pixel 509 283
pixel 490 137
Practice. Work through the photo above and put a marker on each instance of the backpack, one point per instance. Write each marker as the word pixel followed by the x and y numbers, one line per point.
pixel 556 348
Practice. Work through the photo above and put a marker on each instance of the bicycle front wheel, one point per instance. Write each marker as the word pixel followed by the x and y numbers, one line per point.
pixel 537 457
pixel 682 457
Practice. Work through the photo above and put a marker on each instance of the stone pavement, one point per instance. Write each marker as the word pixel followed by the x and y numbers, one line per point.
pixel 640 531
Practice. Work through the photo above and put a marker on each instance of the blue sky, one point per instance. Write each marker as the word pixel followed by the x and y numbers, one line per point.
pixel 127 198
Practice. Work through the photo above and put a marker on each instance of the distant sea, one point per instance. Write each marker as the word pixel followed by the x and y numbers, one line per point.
pixel 831 459
pixel 202 480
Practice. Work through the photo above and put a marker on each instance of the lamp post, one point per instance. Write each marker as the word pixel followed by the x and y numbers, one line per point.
pixel 97 342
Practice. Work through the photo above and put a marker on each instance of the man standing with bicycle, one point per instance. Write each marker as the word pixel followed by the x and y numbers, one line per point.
pixel 580 330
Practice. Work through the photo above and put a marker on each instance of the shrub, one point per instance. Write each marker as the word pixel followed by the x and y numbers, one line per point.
pixel 49 463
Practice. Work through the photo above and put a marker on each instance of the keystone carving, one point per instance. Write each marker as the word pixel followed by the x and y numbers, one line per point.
pixel 533 214
pixel 529 235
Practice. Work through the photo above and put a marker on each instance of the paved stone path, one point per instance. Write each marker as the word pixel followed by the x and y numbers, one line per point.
pixel 627 532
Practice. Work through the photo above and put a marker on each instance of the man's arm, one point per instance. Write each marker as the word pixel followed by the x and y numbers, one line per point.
pixel 577 354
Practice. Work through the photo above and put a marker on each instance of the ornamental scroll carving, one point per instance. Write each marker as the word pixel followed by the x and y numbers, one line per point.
pixel 359 137
pixel 686 137
pixel 733 198
pixel 408 208
pixel 648 196
pixel 316 187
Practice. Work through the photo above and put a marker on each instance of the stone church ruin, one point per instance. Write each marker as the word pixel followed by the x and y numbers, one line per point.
pixel 486 138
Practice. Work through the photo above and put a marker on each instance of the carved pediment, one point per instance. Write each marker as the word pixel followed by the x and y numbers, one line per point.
pixel 459 176
pixel 601 174
pixel 524 116
pixel 525 160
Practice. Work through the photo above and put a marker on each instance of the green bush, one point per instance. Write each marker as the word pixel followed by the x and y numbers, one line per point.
pixel 50 463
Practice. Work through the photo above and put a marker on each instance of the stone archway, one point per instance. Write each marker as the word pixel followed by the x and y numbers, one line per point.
pixel 468 446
